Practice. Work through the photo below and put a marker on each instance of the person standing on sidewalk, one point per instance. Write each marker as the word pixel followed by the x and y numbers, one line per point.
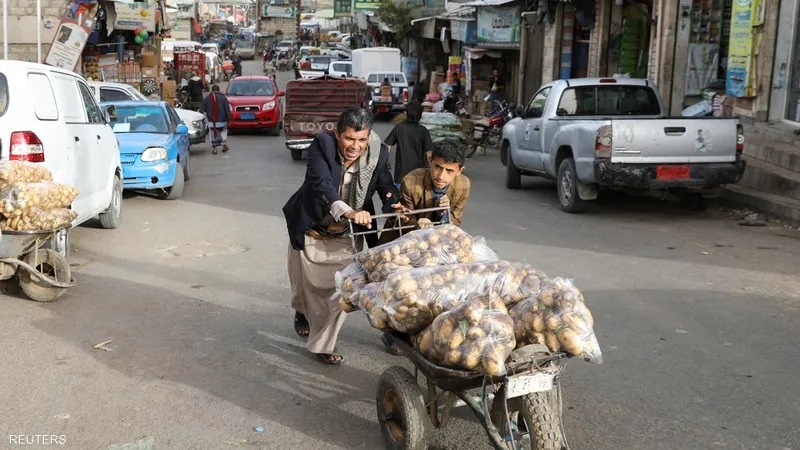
pixel 343 172
pixel 218 113
pixel 411 142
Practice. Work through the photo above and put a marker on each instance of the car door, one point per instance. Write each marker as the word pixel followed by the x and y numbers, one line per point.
pixel 181 139
pixel 104 151
pixel 529 135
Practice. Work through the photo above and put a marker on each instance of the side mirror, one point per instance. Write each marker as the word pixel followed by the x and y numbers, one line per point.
pixel 281 93
pixel 110 113
pixel 182 129
pixel 520 111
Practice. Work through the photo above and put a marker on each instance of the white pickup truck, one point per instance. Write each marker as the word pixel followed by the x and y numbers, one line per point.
pixel 595 133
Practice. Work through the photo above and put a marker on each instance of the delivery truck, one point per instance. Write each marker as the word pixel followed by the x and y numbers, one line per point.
pixel 375 59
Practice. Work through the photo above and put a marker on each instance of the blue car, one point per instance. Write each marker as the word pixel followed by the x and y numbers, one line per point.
pixel 153 145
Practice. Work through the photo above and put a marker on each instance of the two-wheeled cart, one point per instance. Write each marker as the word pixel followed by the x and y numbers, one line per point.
pixel 43 274
pixel 520 410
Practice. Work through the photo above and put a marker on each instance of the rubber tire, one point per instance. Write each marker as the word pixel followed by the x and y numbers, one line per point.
pixel 42 292
pixel 409 431
pixel 538 413
pixel 692 201
pixel 175 191
pixel 274 131
pixel 575 204
pixel 513 175
pixel 112 217
pixel 186 172
pixel 471 151
pixel 297 155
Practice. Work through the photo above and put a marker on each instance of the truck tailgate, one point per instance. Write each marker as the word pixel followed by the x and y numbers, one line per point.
pixel 674 140
pixel 314 105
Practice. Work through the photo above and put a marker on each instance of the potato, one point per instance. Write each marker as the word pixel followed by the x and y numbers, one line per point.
pixel 13 172
pixel 35 219
pixel 16 199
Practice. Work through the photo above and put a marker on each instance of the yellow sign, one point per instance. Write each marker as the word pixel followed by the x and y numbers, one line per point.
pixel 740 76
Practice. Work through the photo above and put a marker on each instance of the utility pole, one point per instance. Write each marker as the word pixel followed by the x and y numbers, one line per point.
pixel 299 6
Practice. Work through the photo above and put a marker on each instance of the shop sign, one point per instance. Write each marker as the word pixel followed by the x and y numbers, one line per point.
pixel 131 16
pixel 71 38
pixel 464 31
pixel 739 80
pixel 286 12
pixel 498 25
pixel 366 5
pixel 342 8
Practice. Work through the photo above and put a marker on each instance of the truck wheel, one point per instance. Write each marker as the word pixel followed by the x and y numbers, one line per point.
pixel 513 175
pixel 567 183
pixel 297 155
pixel 112 217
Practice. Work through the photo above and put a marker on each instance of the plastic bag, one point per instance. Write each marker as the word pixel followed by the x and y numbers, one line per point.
pixel 445 244
pixel 12 172
pixel 558 318
pixel 413 298
pixel 440 119
pixel 36 219
pixel 475 335
pixel 369 300
pixel 482 251
pixel 348 282
pixel 18 198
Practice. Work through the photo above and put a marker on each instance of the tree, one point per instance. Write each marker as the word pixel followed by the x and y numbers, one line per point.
pixel 397 15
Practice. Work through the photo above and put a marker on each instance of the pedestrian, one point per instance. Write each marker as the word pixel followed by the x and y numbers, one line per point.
pixel 195 87
pixel 410 142
pixel 441 185
pixel 218 112
pixel 237 64
pixel 344 170
pixel 496 87
pixel 265 59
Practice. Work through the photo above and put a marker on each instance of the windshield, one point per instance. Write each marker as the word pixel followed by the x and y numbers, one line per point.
pixel 244 44
pixel 250 88
pixel 320 60
pixel 139 119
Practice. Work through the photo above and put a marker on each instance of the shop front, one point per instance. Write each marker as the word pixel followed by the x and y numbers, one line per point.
pixel 497 48
pixel 785 92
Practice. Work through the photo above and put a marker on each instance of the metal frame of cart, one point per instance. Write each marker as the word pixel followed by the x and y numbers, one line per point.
pixel 43 274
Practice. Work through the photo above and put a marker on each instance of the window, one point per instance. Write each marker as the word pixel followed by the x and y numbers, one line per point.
pixel 372 78
pixel 4 94
pixel 44 102
pixel 608 101
pixel 246 88
pixel 68 98
pixel 93 111
pixel 135 94
pixel 535 108
pixel 174 117
pixel 140 119
pixel 113 95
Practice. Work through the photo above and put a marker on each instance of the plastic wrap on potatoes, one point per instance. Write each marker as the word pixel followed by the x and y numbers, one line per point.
pixel 413 298
pixel 558 318
pixel 445 244
pixel 18 198
pixel 12 172
pixel 36 219
pixel 371 302
pixel 348 282
pixel 478 335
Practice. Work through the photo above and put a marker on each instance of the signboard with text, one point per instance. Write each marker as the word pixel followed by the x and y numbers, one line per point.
pixel 131 16
pixel 739 76
pixel 279 11
pixel 498 25
pixel 366 5
pixel 342 8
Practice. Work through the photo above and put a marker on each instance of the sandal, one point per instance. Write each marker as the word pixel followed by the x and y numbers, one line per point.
pixel 328 358
pixel 301 325
pixel 391 347
pixel 214 151
pixel 225 149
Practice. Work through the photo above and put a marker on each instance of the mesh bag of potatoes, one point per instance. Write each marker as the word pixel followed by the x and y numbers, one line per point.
pixel 36 219
pixel 12 172
pixel 17 199
pixel 369 300
pixel 445 244
pixel 558 318
pixel 477 335
pixel 349 282
pixel 413 298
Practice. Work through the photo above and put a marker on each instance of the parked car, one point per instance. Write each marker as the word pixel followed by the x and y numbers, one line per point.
pixel 341 69
pixel 212 47
pixel 213 68
pixel 115 92
pixel 50 117
pixel 246 49
pixel 613 133
pixel 399 93
pixel 256 104
pixel 320 63
pixel 154 146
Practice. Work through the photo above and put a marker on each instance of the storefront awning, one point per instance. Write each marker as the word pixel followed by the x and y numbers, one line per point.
pixel 488 2
pixel 499 45
pixel 476 53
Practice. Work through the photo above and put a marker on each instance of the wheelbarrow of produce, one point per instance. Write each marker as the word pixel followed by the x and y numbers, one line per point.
pixel 42 273
pixel 520 410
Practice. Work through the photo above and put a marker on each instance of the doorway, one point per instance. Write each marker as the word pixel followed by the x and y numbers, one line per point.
pixel 792 111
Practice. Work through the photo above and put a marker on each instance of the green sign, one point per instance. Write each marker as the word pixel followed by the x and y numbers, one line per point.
pixel 366 4
pixel 278 11
pixel 342 8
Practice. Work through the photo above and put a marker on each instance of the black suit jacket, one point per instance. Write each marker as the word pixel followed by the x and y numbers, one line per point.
pixel 312 202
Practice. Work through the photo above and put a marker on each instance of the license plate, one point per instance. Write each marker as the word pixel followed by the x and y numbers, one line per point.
pixel 383 109
pixel 248 116
pixel 528 383
pixel 673 172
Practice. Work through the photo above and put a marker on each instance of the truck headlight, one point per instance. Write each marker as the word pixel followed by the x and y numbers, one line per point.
pixel 268 105
pixel 154 154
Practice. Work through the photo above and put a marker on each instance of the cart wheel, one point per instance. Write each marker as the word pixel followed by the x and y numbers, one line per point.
pixel 50 264
pixel 401 410
pixel 535 414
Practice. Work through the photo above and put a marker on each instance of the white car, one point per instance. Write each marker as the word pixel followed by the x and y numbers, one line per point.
pixel 341 69
pixel 50 117
pixel 112 92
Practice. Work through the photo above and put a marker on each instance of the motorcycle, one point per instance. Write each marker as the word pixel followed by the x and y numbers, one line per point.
pixel 489 135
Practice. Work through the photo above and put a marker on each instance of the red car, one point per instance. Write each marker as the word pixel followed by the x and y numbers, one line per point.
pixel 255 104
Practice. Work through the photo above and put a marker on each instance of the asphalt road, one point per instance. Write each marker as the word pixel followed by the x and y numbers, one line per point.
pixel 698 319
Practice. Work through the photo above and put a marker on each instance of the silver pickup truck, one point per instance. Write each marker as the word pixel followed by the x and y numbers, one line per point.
pixel 592 133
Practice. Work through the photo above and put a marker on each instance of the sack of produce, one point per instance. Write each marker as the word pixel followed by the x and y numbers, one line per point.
pixel 12 172
pixel 369 300
pixel 445 244
pixel 348 282
pixel 18 198
pixel 476 335
pixel 36 219
pixel 558 318
pixel 413 298
pixel 482 250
